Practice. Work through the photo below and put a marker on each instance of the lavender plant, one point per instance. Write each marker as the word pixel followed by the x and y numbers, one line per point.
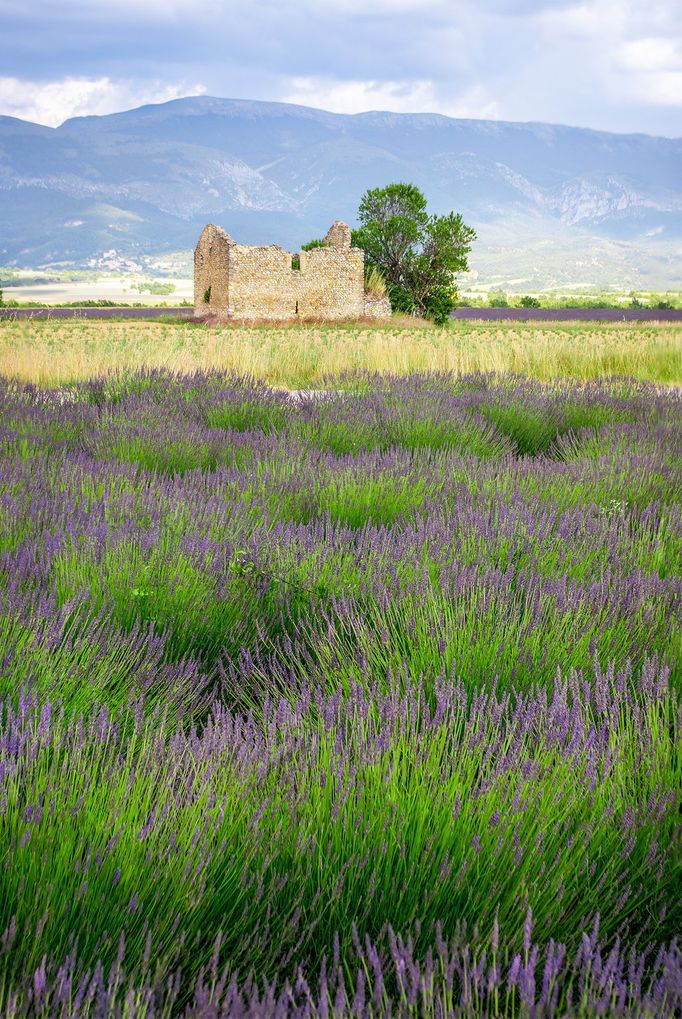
pixel 361 705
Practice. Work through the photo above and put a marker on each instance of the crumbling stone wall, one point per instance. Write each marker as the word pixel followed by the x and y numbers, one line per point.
pixel 377 307
pixel 332 283
pixel 246 282
pixel 338 235
pixel 211 271
pixel 262 283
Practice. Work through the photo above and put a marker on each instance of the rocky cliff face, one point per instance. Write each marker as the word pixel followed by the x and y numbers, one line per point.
pixel 146 180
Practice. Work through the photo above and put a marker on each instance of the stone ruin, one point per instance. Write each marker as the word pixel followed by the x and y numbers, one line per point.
pixel 244 282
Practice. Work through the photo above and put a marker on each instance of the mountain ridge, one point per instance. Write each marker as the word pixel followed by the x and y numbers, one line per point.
pixel 145 181
pixel 313 112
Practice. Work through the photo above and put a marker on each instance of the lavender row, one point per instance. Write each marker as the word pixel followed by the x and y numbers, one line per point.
pixel 266 841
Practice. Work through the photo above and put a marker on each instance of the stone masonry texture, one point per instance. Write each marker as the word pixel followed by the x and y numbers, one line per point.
pixel 244 282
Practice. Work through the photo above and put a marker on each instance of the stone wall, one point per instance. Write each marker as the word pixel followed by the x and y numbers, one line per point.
pixel 377 307
pixel 338 235
pixel 332 283
pixel 248 282
pixel 211 271
pixel 262 283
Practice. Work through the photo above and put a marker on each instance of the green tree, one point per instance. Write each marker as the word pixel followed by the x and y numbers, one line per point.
pixel 416 253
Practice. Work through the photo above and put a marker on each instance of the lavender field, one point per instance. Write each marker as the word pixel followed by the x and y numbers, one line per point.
pixel 361 704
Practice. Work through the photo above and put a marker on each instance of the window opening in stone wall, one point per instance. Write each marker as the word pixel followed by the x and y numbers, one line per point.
pixel 296 311
pixel 295 261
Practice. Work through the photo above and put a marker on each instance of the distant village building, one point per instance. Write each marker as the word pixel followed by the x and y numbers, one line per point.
pixel 246 282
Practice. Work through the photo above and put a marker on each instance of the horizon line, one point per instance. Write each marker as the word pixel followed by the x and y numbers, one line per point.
pixel 333 113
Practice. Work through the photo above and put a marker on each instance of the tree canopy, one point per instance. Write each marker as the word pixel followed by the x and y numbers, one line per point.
pixel 417 254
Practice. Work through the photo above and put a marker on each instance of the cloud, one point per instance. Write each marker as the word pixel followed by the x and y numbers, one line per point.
pixel 652 54
pixel 617 63
pixel 653 69
pixel 399 97
pixel 53 102
pixel 87 9
pixel 609 64
pixel 662 88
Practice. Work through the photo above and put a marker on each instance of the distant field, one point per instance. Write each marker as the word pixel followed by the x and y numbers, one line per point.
pixel 56 352
pixel 125 289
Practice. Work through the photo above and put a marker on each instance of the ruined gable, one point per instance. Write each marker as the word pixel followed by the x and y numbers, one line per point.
pixel 246 282
pixel 211 271
pixel 338 235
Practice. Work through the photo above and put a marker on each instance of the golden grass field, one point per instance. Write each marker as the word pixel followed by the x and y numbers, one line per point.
pixel 61 351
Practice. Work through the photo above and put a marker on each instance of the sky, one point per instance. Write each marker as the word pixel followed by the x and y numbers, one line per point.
pixel 613 65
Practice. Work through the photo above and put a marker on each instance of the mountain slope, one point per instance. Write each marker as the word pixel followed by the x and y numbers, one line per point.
pixel 145 181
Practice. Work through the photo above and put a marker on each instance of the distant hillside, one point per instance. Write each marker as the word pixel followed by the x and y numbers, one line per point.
pixel 552 205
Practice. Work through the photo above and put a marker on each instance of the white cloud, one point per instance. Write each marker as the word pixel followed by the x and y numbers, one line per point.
pixel 652 54
pixel 399 97
pixel 661 87
pixel 631 52
pixel 610 64
pixel 654 67
pixel 53 102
